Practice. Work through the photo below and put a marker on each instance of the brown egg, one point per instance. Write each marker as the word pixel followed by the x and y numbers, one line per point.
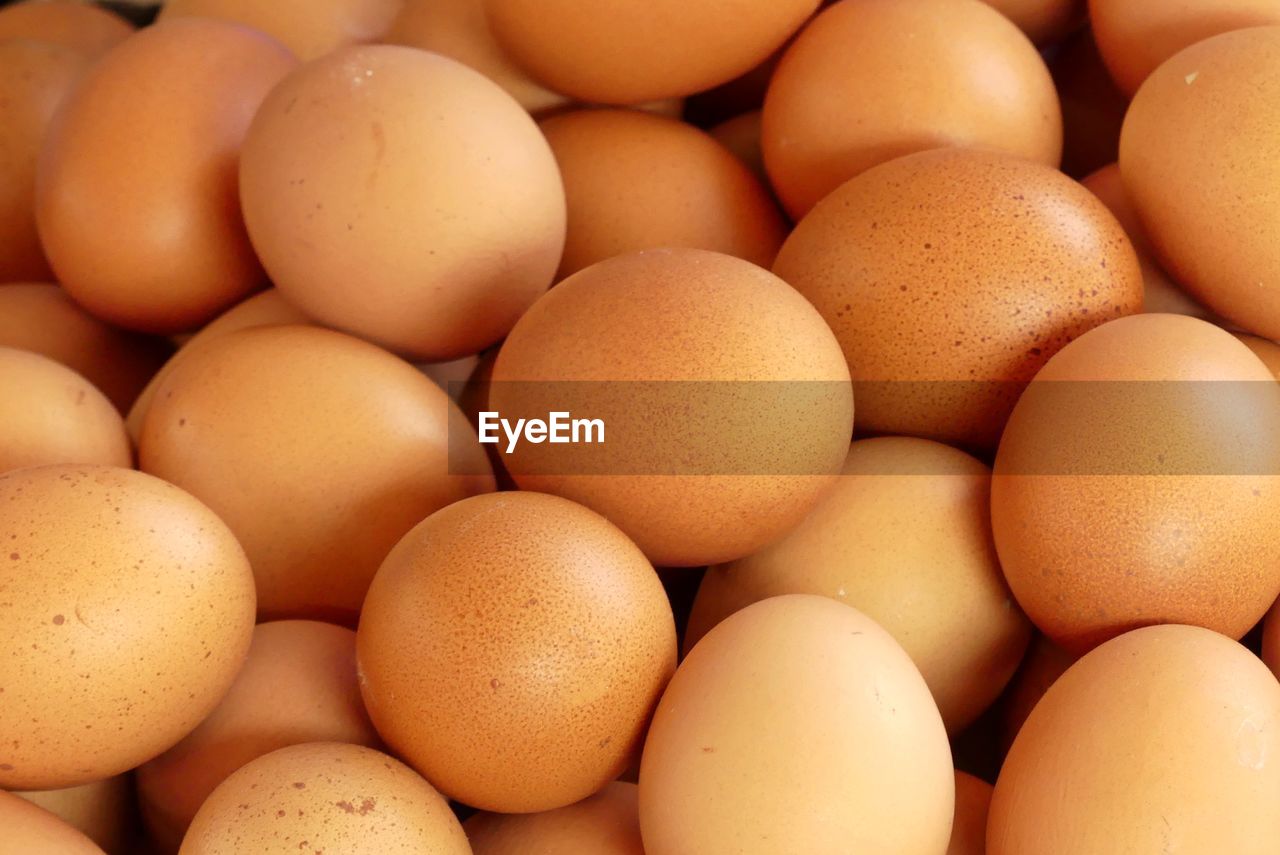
pixel 102 810
pixel 1092 107
pixel 607 823
pixel 325 797
pixel 29 829
pixel 298 685
pixel 1265 349
pixel 969 829
pixel 50 414
pixel 641 50
pixel 796 725
pixel 725 398
pixel 34 78
pixel 319 450
pixel 84 27
pixel 127 613
pixel 637 181
pixel 1271 640
pixel 1136 483
pixel 1044 664
pixel 871 80
pixel 1161 740
pixel 136 193
pixel 950 277
pixel 1198 143
pixel 309 28
pixel 1044 21
pixel 1136 36
pixel 741 135
pixel 432 229
pixel 511 649
pixel 43 319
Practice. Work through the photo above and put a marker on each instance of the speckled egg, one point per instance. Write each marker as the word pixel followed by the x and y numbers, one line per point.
pixel 29 829
pixel 1044 21
pixel 86 28
pixel 309 28
pixel 969 828
pixel 607 823
pixel 103 811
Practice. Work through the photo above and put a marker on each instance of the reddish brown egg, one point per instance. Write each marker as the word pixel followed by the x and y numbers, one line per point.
pixel 29 829
pixel 309 28
pixel 1044 664
pixel 607 823
pixel 969 829
pixel 1092 107
pixel 84 27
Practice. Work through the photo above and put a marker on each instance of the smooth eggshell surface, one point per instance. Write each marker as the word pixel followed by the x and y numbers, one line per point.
pixel 104 811
pixel 309 28
pixel 87 29
pixel 29 829
pixel 1044 21
pixel 607 823
pixel 969 830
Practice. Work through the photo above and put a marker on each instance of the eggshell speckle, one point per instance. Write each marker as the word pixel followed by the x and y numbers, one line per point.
pixel 607 823
pixel 309 28
pixel 86 28
pixel 30 829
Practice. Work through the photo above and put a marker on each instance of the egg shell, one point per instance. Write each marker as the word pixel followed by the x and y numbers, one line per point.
pixel 1265 349
pixel 298 685
pixel 636 181
pixel 319 450
pixel 309 28
pixel 1045 662
pixel 1092 770
pixel 86 28
pixel 969 830
pixel 1044 21
pixel 950 276
pixel 796 725
pixel 128 611
pixel 30 829
pixel 607 823
pixel 103 810
pixel 136 198
pixel 1138 481
pixel 843 100
pixel 325 797
pixel 741 135
pixel 402 196
pixel 1092 107
pixel 1271 640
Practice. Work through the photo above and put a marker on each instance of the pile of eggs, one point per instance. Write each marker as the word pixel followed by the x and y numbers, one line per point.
pixel 937 512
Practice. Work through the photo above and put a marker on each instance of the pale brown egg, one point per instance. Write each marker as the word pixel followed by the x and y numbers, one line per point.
pixel 724 398
pixel 84 27
pixel 871 80
pixel 136 198
pixel 1044 664
pixel 1092 107
pixel 796 725
pixel 1198 151
pixel 319 451
pixel 1138 482
pixel 607 823
pixel 50 414
pixel 636 181
pixel 1265 349
pixel 29 829
pixel 402 196
pixel 329 798
pixel 969 829
pixel 103 810
pixel 1161 740
pixel 1044 21
pixel 950 276
pixel 128 610
pixel 741 135
pixel 309 28
pixel 298 685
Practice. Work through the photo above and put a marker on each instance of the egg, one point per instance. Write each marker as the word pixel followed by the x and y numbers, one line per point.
pixel 431 229
pixel 1265 349
pixel 127 613
pixel 319 450
pixel 1198 149
pixel 1160 740
pixel 724 396
pixel 136 188
pixel 50 414
pixel 1092 107
pixel 309 28
pixel 905 538
pixel 631 51
pixel 969 830
pixel 950 276
pixel 297 685
pixel 1044 21
pixel 1271 640
pixel 637 181
pixel 871 80
pixel 325 797
pixel 1045 662
pixel 86 28
pixel 741 135
pixel 102 810
pixel 30 829
pixel 1136 483
pixel 796 725
pixel 607 823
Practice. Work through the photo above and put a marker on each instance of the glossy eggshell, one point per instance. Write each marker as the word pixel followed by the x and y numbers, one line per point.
pixel 309 28
pixel 1045 662
pixel 325 797
pixel 843 99
pixel 319 450
pixel 796 725
pixel 1092 107
pixel 1044 21
pixel 428 230
pixel 128 611
pixel 136 199
pixel 29 829
pixel 950 276
pixel 969 829
pixel 1138 482
pixel 607 823
pixel 103 810
pixel 86 28
pixel 511 649
pixel 1265 349
pixel 1093 769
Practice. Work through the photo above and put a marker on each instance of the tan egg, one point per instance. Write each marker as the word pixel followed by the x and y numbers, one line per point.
pixel 1161 740
pixel 1092 107
pixel 642 50
pixel 84 27
pixel 1044 21
pixel 1044 664
pixel 30 829
pixel 796 725
pixel 43 319
pixel 950 276
pixel 1265 349
pixel 733 413
pixel 34 78
pixel 298 685
pixel 871 80
pixel 431 229
pixel 741 135
pixel 636 181
pixel 969 829
pixel 325 797
pixel 309 28
pixel 128 611
pixel 50 414
pixel 905 538
pixel 1198 152
pixel 319 450
pixel 1136 483
pixel 103 810
pixel 607 823
pixel 136 197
